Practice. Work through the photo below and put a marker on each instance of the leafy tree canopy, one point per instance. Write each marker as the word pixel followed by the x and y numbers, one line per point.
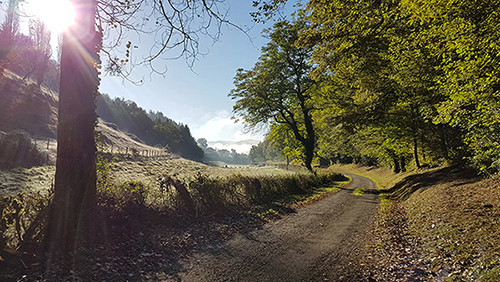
pixel 278 88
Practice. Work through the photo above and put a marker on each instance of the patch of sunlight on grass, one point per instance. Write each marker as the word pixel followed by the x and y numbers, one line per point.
pixel 384 178
pixel 358 191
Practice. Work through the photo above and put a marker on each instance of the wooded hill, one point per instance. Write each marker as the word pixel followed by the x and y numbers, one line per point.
pixel 33 109
pixel 152 128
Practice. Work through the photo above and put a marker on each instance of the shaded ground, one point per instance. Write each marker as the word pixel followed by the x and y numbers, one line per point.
pixel 321 242
pixel 153 245
pixel 440 225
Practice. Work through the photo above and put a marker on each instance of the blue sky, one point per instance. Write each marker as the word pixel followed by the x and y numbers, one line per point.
pixel 198 96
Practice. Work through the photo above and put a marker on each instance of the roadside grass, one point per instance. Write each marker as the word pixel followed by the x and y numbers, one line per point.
pixel 384 178
pixel 459 221
pixel 166 208
pixel 300 200
pixel 445 221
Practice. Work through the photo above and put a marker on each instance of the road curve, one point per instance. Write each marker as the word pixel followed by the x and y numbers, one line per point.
pixel 314 244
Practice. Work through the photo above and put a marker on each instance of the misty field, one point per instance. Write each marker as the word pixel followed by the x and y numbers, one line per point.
pixel 40 179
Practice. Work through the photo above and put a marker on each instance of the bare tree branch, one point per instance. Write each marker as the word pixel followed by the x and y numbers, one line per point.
pixel 174 26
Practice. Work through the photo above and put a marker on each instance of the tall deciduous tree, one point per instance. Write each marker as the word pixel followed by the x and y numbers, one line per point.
pixel 41 50
pixel 424 72
pixel 277 89
pixel 175 25
pixel 464 36
pixel 8 32
pixel 383 79
pixel 73 211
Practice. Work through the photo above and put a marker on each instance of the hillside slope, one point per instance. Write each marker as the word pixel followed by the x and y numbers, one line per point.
pixel 26 107
pixel 152 128
pixel 457 216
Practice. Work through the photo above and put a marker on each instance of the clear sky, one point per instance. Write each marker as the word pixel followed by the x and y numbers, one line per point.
pixel 198 96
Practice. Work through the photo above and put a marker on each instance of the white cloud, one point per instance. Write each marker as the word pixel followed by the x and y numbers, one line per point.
pixel 242 147
pixel 220 126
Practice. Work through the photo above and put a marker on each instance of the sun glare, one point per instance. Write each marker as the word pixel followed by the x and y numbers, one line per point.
pixel 57 15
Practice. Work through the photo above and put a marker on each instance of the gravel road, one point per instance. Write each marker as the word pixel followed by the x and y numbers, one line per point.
pixel 321 242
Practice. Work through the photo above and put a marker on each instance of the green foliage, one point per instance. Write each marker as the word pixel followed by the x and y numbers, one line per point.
pixel 23 221
pixel 281 138
pixel 421 74
pixel 263 152
pixel 104 166
pixel 462 37
pixel 358 191
pixel 277 89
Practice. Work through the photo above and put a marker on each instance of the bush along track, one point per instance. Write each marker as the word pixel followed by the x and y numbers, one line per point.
pixel 145 228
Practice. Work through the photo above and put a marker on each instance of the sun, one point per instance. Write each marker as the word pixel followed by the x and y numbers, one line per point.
pixel 57 15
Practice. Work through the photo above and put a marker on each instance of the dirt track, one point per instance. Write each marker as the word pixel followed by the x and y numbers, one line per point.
pixel 321 242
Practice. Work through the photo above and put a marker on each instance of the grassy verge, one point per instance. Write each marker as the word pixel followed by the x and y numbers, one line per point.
pixel 145 225
pixel 458 218
pixel 384 178
pixel 440 224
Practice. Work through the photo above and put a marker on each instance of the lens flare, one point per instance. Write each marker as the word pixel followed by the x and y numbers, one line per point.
pixel 57 15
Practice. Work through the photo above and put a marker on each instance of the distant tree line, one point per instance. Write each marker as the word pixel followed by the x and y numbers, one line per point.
pixel 263 152
pixel 222 155
pixel 152 128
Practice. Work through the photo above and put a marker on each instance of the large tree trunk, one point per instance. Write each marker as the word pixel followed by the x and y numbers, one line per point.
pixel 309 141
pixel 415 152
pixel 309 153
pixel 444 141
pixel 70 221
pixel 397 167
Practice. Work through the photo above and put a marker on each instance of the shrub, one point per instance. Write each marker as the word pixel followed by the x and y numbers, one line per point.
pixel 18 150
pixel 131 193
pixel 104 164
pixel 203 195
pixel 210 194
pixel 23 220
